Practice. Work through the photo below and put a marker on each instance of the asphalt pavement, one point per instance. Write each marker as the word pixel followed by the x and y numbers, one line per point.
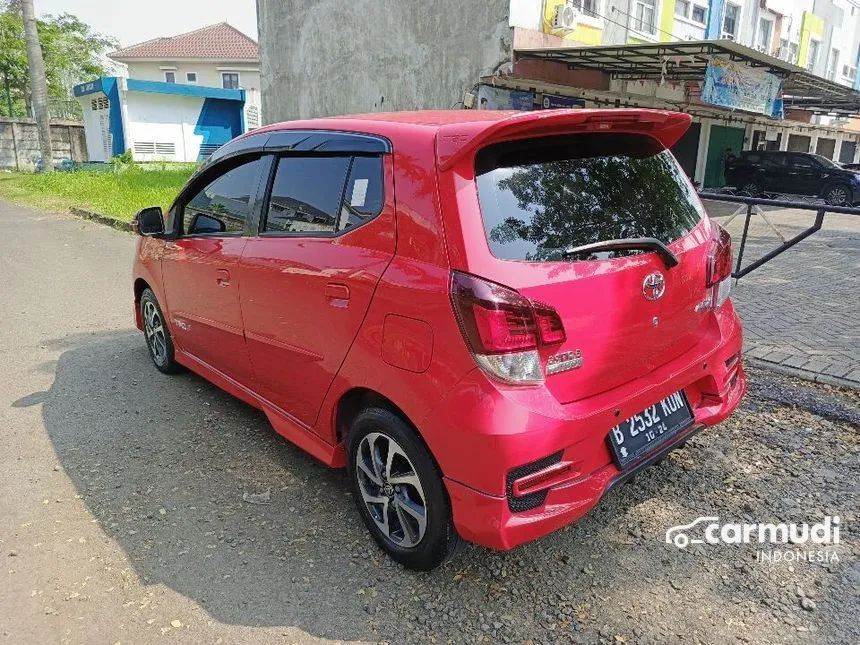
pixel 122 516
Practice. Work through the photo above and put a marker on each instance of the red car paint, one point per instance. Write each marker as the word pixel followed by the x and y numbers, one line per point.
pixel 297 326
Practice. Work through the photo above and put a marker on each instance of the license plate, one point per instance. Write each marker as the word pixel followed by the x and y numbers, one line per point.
pixel 643 432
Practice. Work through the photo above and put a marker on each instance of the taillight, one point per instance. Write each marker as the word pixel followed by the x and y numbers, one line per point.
pixel 504 329
pixel 719 278
pixel 550 327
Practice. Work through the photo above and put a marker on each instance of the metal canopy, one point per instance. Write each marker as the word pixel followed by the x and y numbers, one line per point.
pixel 687 61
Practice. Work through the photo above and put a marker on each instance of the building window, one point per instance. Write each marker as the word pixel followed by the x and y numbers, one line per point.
pixel 645 16
pixel 587 7
pixel 849 72
pixel 812 58
pixel 730 21
pixel 765 33
pixel 191 77
pixel 230 80
pixel 695 12
pixel 833 64
pixel 169 77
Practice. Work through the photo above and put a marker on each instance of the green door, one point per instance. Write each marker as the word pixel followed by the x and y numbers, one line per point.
pixel 722 137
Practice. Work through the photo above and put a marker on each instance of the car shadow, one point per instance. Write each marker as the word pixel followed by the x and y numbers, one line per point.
pixel 165 465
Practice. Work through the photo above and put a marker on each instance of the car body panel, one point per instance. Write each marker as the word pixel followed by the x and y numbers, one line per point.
pixel 303 301
pixel 201 288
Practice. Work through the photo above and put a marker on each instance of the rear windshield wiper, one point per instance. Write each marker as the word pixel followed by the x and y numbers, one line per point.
pixel 628 244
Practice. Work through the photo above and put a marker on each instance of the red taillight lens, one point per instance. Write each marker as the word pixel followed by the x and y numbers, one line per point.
pixel 550 327
pixel 494 319
pixel 719 278
pixel 720 257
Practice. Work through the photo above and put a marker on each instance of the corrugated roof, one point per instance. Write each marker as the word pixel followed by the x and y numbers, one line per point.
pixel 218 42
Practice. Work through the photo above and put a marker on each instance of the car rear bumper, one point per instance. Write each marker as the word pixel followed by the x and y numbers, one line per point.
pixel 572 453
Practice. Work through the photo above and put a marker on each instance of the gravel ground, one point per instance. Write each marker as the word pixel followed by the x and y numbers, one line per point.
pixel 128 515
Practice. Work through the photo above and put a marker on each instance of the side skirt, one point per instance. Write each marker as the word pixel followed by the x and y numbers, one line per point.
pixel 283 423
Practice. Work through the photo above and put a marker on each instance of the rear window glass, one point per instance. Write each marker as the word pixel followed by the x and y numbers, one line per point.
pixel 542 197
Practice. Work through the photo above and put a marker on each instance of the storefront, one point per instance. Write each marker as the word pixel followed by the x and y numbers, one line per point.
pixel 740 99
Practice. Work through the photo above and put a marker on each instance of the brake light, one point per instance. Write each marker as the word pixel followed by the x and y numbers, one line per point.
pixel 719 276
pixel 550 327
pixel 504 329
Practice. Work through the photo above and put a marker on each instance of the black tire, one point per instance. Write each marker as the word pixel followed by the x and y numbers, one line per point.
pixel 838 195
pixel 372 433
pixel 751 189
pixel 158 340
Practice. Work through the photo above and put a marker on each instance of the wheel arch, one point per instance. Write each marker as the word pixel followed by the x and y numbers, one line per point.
pixel 139 285
pixel 357 399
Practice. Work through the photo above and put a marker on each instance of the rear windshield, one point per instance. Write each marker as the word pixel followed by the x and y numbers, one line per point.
pixel 541 197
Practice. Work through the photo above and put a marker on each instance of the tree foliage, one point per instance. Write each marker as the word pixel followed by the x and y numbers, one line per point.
pixel 73 53
pixel 573 202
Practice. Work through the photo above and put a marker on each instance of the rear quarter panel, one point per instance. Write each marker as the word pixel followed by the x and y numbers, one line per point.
pixel 415 285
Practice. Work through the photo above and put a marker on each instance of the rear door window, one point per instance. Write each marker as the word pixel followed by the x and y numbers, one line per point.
pixel 324 195
pixel 540 197
pixel 306 195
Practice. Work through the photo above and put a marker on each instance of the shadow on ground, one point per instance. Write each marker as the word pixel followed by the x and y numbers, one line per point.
pixel 162 464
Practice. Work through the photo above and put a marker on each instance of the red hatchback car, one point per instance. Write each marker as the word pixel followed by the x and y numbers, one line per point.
pixel 490 318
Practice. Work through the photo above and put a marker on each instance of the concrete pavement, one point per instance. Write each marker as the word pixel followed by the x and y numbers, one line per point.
pixel 801 311
pixel 122 516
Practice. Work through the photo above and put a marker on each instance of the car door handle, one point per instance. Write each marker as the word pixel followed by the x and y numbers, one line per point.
pixel 336 294
pixel 223 278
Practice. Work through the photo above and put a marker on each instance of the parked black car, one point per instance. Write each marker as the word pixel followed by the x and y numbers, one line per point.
pixel 797 173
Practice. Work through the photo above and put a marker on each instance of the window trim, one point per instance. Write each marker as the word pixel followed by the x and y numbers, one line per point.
pixel 206 177
pixel 270 182
pixel 188 80
pixel 646 35
pixel 687 16
pixel 766 47
pixel 238 79
pixel 725 35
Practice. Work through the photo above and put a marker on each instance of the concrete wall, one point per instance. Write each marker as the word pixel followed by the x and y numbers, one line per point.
pixel 327 57
pixel 22 137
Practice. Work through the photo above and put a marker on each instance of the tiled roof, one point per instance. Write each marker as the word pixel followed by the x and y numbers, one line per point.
pixel 219 42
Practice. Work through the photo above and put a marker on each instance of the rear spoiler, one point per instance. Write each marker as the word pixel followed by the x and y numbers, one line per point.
pixel 456 141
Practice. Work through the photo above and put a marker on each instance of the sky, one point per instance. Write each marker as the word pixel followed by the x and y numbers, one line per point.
pixel 133 21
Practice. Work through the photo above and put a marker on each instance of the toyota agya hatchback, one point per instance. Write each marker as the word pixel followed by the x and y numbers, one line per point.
pixel 490 318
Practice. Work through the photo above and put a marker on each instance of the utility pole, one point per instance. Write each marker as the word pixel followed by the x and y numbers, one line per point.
pixel 38 83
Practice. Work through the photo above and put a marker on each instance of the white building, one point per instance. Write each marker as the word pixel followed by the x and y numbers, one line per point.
pixel 156 120
pixel 218 56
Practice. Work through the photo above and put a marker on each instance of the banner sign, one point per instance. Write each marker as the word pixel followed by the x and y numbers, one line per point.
pixel 740 87
pixel 498 98
pixel 551 101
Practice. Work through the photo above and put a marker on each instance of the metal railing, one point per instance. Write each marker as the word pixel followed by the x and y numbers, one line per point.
pixel 754 202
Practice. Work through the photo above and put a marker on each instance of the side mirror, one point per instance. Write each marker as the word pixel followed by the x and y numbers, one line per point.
pixel 203 224
pixel 149 221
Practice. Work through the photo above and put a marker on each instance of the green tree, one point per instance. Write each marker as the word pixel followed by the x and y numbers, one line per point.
pixel 573 202
pixel 73 53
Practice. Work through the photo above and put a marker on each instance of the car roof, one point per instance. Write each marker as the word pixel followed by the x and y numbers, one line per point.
pixel 460 132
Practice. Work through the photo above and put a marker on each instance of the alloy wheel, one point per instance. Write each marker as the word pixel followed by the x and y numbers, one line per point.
pixel 837 196
pixel 391 489
pixel 751 189
pixel 153 327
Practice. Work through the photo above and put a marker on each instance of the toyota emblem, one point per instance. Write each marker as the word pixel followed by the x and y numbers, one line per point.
pixel 654 286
